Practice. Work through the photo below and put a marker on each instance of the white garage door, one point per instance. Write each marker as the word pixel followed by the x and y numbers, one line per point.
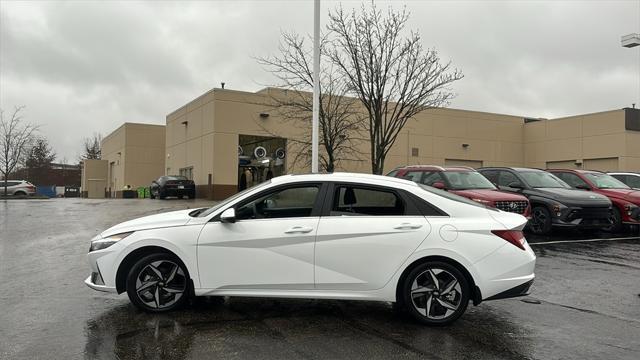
pixel 568 164
pixel 457 162
pixel 605 164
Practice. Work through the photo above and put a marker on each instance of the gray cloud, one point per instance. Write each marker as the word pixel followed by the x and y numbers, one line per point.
pixel 82 67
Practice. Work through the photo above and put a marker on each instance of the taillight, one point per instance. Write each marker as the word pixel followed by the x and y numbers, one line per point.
pixel 516 237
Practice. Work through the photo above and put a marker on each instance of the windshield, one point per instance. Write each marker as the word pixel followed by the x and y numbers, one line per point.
pixel 605 181
pixel 232 198
pixel 542 179
pixel 452 196
pixel 462 180
pixel 176 177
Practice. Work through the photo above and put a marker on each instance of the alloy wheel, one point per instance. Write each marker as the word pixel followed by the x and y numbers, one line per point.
pixel 160 284
pixel 436 293
pixel 538 221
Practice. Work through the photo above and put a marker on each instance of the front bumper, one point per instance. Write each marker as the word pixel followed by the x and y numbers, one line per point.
pixel 90 282
pixel 586 218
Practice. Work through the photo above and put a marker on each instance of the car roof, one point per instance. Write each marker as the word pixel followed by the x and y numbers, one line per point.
pixel 509 168
pixel 623 173
pixel 580 171
pixel 343 176
pixel 436 168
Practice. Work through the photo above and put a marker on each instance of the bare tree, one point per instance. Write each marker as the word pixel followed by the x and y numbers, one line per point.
pixel 338 117
pixel 92 147
pixel 394 77
pixel 15 139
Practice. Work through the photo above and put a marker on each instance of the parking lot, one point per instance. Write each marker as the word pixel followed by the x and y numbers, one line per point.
pixel 585 303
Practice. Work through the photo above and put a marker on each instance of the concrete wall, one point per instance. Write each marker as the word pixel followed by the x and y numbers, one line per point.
pixel 94 178
pixel 204 134
pixel 135 155
pixel 593 141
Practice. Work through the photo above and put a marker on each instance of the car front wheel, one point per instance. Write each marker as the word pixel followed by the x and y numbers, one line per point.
pixel 616 221
pixel 436 293
pixel 158 283
pixel 540 222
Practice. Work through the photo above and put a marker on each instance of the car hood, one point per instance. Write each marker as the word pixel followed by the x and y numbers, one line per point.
pixel 168 219
pixel 573 197
pixel 489 194
pixel 630 195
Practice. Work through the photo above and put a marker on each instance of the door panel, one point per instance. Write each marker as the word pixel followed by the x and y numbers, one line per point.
pixel 259 253
pixel 363 252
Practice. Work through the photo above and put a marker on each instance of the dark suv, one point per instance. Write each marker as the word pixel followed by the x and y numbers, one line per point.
pixel 553 202
pixel 172 185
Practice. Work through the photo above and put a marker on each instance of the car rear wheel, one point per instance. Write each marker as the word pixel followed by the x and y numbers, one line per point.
pixel 436 293
pixel 540 222
pixel 151 194
pixel 162 195
pixel 158 283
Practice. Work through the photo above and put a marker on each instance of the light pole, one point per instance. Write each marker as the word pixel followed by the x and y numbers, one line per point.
pixel 316 86
pixel 629 41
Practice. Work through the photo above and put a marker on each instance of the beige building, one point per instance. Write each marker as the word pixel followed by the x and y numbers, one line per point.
pixel 134 156
pixel 209 138
pixel 226 140
pixel 94 178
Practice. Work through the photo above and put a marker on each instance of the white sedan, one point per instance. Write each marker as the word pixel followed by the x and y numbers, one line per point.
pixel 333 236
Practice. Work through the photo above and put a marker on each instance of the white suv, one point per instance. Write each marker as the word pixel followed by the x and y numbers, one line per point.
pixel 18 187
pixel 631 179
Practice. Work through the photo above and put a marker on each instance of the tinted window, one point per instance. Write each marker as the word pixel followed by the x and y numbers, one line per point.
pixel 492 175
pixel 506 177
pixel 284 203
pixel 432 177
pixel 392 173
pixel 414 176
pixel 633 181
pixel 232 198
pixel 355 200
pixel 572 179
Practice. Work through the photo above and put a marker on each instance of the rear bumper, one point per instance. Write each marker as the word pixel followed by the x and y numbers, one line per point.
pixel 516 291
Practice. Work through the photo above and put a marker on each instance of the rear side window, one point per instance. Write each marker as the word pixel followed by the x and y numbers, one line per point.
pixel 633 181
pixel 354 200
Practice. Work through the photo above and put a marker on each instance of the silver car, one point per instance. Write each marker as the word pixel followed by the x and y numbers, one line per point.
pixel 18 187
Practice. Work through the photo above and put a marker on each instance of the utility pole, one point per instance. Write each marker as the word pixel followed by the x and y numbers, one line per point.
pixel 316 86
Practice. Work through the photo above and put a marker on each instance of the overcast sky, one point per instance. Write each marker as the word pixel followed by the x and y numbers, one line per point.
pixel 88 66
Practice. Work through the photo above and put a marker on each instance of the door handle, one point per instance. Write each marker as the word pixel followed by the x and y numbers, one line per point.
pixel 299 230
pixel 407 226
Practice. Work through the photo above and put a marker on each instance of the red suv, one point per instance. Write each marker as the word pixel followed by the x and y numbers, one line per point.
pixel 626 201
pixel 467 182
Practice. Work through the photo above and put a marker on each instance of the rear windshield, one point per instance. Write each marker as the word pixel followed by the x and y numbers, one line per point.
pixel 176 178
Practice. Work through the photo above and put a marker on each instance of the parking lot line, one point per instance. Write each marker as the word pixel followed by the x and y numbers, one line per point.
pixel 584 240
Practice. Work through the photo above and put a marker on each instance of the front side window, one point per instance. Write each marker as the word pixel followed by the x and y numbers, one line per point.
pixel 573 180
pixel 432 177
pixel 605 181
pixel 507 178
pixel 355 200
pixel 284 203
pixel 414 176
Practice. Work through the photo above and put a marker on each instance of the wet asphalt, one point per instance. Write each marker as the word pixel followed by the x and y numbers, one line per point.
pixel 585 303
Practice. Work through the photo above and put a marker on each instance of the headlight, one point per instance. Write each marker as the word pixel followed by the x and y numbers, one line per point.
pixel 482 201
pixel 108 241
pixel 629 208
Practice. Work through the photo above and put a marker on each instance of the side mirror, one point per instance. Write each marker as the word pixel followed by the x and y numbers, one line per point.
pixel 583 187
pixel 439 185
pixel 228 216
pixel 515 185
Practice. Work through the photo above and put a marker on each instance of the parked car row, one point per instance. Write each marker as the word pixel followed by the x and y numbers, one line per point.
pixel 556 198
pixel 18 188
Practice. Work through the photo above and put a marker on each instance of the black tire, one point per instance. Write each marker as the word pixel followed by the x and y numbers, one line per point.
pixel 616 221
pixel 151 195
pixel 541 222
pixel 436 293
pixel 20 193
pixel 152 287
pixel 161 194
pixel 192 195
